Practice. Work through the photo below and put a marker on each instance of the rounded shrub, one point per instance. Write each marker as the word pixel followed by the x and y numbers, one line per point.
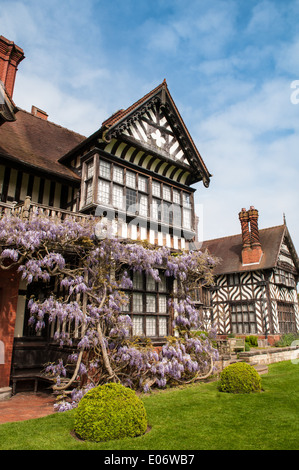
pixel 110 411
pixel 239 378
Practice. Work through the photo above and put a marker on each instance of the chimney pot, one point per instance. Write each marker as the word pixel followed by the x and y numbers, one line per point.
pixel 251 249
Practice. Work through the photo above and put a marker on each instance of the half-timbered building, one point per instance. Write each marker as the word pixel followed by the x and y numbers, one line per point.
pixel 136 171
pixel 255 282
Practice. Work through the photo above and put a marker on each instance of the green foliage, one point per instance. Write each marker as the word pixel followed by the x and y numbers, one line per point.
pixel 247 346
pixel 110 411
pixel 252 341
pixel 286 340
pixel 196 417
pixel 239 378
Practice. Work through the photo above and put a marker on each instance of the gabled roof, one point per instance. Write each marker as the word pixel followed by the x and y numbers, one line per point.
pixel 229 250
pixel 38 144
pixel 117 125
pixel 119 121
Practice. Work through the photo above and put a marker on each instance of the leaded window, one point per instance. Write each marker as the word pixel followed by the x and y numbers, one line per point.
pixel 117 196
pixel 104 192
pixel 105 169
pixel 118 174
pixel 89 182
pixel 128 191
pixel 286 317
pixel 131 179
pixel 148 305
pixel 243 318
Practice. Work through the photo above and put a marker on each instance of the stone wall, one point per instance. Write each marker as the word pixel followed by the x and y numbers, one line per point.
pixel 270 355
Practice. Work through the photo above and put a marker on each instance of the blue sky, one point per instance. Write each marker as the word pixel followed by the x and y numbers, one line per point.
pixel 229 65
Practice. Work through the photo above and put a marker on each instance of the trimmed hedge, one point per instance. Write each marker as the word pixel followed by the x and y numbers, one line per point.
pixel 239 378
pixel 110 411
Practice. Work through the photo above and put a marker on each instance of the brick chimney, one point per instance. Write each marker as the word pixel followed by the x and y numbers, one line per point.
pixel 39 113
pixel 251 246
pixel 10 57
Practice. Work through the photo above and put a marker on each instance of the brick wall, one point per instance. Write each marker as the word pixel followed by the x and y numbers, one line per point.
pixel 9 286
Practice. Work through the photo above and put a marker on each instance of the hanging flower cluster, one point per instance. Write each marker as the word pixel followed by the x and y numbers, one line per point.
pixel 92 276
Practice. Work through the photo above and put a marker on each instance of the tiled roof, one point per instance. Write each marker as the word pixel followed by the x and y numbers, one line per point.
pixel 38 143
pixel 229 250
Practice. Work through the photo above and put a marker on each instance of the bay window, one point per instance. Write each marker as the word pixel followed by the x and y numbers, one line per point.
pixel 138 195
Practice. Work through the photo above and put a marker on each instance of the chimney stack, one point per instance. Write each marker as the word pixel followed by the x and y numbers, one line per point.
pixel 10 57
pixel 39 113
pixel 251 246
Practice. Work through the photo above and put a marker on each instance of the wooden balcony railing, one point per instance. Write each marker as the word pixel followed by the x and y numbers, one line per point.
pixel 27 209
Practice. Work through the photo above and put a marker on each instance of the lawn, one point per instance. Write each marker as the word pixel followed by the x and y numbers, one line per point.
pixel 197 417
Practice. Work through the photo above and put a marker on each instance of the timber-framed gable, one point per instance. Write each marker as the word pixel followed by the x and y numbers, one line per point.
pixel 254 292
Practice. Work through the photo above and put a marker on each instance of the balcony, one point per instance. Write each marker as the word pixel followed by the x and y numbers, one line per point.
pixel 27 209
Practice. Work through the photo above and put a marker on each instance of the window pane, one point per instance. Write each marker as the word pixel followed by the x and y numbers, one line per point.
pixel 177 216
pixel 105 169
pixel 137 303
pixel 162 284
pixel 130 179
pixel 88 198
pixel 166 193
pixel 118 174
pixel 131 200
pixel 137 325
pixel 187 218
pixel 150 326
pixel 89 170
pixel 156 209
pixel 176 196
pixel 118 196
pixel 142 183
pixel 167 213
pixel 162 304
pixel 143 205
pixel 156 189
pixel 137 281
pixel 163 326
pixel 186 200
pixel 103 191
pixel 150 283
pixel 151 303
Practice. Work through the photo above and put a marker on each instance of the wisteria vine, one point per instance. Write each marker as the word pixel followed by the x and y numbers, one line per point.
pixel 93 276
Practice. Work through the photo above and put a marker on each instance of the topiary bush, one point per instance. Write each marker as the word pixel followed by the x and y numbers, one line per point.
pixel 239 378
pixel 110 411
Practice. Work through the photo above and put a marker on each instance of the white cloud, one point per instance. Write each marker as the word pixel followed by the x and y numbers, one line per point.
pixel 75 113
pixel 250 169
pixel 229 68
pixel 265 17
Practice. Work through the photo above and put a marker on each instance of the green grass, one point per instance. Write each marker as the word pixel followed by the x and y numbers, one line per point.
pixel 197 417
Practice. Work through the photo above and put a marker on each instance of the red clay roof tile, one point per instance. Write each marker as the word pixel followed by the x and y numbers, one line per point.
pixel 38 143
